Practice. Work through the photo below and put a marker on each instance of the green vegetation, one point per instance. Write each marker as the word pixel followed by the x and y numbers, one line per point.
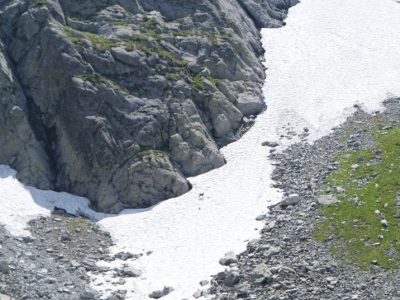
pixel 99 79
pixel 172 77
pixel 99 42
pixel 371 186
pixel 78 224
pixel 40 2
pixel 12 90
pixel 213 80
pixel 197 83
pixel 149 22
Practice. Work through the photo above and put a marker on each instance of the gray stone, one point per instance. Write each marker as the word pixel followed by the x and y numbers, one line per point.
pixel 204 282
pixel 4 267
pixel 156 294
pixel 292 199
pixel 167 290
pixel 270 144
pixel 261 274
pixel 249 104
pixel 232 278
pixel 132 272
pixel 198 294
pixel 229 258
pixel 327 199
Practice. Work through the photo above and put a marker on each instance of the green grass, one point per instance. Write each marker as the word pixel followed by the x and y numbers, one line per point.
pixel 78 224
pixel 149 22
pixel 172 77
pixel 357 226
pixel 197 83
pixel 40 2
pixel 99 79
pixel 99 42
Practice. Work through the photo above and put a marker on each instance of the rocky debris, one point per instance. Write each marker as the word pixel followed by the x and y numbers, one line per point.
pixel 120 101
pixel 229 258
pixel 286 262
pixel 46 266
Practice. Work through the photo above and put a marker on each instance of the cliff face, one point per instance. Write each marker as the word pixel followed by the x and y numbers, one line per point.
pixel 120 100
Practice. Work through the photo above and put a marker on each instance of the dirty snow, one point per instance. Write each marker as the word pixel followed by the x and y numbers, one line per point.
pixel 330 56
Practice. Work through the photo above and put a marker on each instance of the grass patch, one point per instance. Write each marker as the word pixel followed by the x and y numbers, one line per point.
pixel 197 83
pixel 362 238
pixel 78 224
pixel 99 42
pixel 172 77
pixel 40 2
pixel 149 22
pixel 98 79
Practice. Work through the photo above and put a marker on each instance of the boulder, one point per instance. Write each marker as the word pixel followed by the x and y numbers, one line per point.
pixel 229 258
pixel 292 199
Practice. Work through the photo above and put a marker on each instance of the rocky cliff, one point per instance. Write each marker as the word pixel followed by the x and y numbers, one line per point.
pixel 120 100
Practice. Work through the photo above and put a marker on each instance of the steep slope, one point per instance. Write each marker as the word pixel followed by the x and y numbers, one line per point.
pixel 119 101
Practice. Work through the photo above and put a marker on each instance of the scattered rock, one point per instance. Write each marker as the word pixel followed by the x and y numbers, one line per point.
pixel 292 199
pixel 270 144
pixel 229 258
pixel 327 199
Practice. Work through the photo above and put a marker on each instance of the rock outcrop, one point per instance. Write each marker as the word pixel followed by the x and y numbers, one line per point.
pixel 119 101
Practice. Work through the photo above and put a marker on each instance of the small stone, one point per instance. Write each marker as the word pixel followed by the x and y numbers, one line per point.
pixel 198 294
pixel 292 199
pixel 306 129
pixel 204 282
pixel 327 199
pixel 270 144
pixel 4 267
pixel 232 278
pixel 260 218
pixel 167 290
pixel 221 276
pixel 132 272
pixel 261 274
pixel 340 190
pixel 355 166
pixel 229 258
pixel 156 294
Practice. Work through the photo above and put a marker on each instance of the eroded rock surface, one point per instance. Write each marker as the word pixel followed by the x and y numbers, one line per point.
pixel 119 101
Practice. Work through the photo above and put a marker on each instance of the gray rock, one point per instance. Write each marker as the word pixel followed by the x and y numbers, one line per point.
pixel 198 294
pixel 249 104
pixel 327 199
pixel 261 274
pixel 204 282
pixel 132 272
pixel 156 294
pixel 167 290
pixel 292 199
pixel 4 267
pixel 270 144
pixel 232 278
pixel 229 258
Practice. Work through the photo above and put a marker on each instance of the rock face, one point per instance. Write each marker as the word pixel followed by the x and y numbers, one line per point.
pixel 119 101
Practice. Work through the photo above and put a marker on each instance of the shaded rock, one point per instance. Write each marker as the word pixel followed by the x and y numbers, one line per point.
pixel 292 199
pixel 132 272
pixel 261 274
pixel 232 278
pixel 229 258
